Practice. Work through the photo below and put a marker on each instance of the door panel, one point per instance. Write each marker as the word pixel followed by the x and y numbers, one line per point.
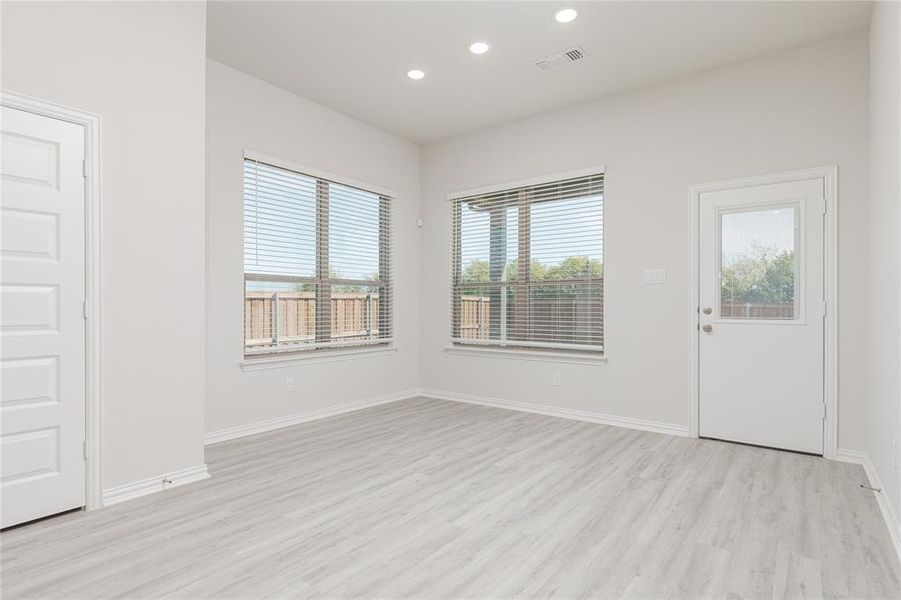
pixel 761 321
pixel 42 329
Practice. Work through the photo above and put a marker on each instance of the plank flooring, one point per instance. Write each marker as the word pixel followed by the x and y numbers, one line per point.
pixel 434 499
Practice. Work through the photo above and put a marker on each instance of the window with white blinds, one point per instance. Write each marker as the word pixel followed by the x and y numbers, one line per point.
pixel 317 263
pixel 528 266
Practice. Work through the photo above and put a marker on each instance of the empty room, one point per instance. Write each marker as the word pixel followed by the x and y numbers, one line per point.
pixel 508 299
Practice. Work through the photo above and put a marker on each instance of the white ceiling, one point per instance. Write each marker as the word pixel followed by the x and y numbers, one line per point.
pixel 354 56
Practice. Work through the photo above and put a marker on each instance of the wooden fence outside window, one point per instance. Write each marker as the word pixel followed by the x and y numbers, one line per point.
pixel 356 315
pixel 353 315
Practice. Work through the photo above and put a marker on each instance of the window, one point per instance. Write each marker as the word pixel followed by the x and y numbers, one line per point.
pixel 528 266
pixel 317 270
pixel 758 263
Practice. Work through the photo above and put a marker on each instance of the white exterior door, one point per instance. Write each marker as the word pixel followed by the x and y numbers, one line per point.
pixel 761 328
pixel 42 327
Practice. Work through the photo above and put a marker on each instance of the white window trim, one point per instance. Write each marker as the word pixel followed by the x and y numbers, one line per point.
pixel 496 351
pixel 288 357
pixel 317 173
pixel 255 361
pixel 547 356
pixel 278 360
pixel 532 181
pixel 512 344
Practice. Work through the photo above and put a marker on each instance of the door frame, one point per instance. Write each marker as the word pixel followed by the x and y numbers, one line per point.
pixel 93 412
pixel 829 174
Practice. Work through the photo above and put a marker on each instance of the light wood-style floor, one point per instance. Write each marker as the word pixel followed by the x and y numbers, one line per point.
pixel 435 499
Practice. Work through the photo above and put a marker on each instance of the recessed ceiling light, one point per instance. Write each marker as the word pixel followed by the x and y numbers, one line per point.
pixel 479 47
pixel 566 15
pixel 415 74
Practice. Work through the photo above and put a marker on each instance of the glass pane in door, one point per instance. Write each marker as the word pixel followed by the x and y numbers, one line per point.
pixel 759 263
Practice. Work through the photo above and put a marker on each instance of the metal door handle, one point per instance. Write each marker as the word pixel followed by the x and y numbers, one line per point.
pixel 707 310
pixel 707 328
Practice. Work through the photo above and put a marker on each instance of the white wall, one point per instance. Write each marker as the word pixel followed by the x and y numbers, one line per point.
pixel 801 108
pixel 882 424
pixel 244 112
pixel 140 66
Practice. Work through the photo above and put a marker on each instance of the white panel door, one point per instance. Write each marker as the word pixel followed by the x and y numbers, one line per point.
pixel 42 327
pixel 762 307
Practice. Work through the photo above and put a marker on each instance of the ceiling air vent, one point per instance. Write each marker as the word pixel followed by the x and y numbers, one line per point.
pixel 559 59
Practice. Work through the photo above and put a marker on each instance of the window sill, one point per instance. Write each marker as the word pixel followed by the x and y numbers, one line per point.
pixel 574 358
pixel 278 361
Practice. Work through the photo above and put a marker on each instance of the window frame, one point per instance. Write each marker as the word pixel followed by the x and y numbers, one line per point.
pixel 276 357
pixel 513 348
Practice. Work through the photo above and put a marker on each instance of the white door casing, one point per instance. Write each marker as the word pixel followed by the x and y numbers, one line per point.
pixel 760 362
pixel 42 326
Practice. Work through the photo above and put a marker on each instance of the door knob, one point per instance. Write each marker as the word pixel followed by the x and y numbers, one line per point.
pixel 707 328
pixel 707 310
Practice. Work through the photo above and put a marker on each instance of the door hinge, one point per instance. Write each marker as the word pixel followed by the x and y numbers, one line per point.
pixel 823 415
pixel 825 308
pixel 84 168
pixel 825 206
pixel 84 309
pixel 84 449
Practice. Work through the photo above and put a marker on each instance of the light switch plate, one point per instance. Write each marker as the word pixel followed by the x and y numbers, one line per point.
pixel 655 276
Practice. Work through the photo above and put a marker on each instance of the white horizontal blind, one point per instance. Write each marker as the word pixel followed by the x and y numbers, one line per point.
pixel 317 263
pixel 528 266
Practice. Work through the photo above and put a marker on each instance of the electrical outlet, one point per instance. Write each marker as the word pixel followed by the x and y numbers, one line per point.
pixel 655 277
pixel 556 379
pixel 289 384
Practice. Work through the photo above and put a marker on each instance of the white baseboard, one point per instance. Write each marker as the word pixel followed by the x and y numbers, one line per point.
pixel 563 413
pixel 120 493
pixel 888 513
pixel 240 431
